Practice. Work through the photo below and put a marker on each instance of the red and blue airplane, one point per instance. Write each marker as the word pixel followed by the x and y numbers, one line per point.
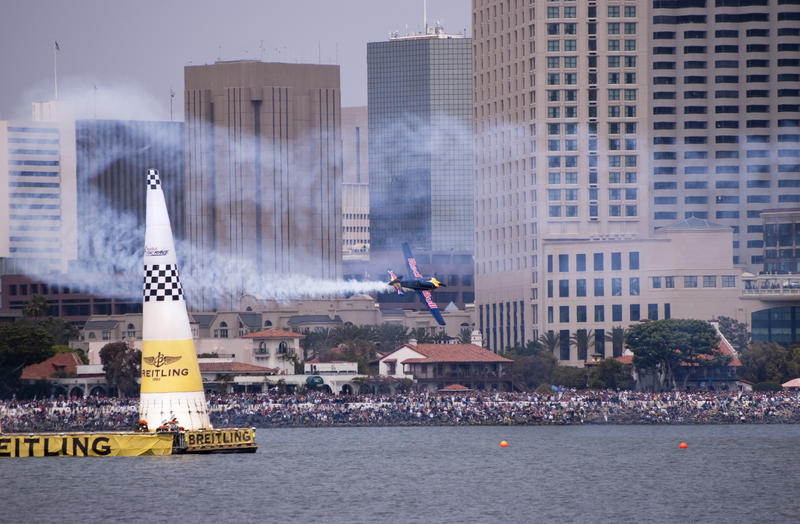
pixel 420 284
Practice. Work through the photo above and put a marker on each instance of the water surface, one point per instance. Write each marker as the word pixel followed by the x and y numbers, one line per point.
pixel 614 474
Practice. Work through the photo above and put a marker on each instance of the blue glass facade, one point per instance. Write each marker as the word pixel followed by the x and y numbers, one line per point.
pixel 420 145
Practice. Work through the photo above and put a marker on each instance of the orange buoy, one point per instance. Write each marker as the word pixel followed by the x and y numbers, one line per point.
pixel 503 444
pixel 683 445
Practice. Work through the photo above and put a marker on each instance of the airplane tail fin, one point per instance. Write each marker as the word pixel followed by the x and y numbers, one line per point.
pixel 395 281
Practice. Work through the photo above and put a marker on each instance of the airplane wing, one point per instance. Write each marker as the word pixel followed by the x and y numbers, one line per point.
pixel 425 295
pixel 411 262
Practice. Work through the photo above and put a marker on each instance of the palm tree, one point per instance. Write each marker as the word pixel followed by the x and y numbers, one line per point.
pixel 422 336
pixel 36 307
pixel 465 336
pixel 582 340
pixel 617 338
pixel 550 341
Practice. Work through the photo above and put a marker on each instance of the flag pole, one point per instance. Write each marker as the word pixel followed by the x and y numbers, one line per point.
pixel 55 69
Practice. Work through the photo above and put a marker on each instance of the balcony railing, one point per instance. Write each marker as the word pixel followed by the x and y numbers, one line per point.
pixel 771 286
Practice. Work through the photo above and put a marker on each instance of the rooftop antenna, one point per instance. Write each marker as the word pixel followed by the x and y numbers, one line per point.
pixel 219 53
pixel 171 98
pixel 261 50
pixel 425 15
pixel 56 49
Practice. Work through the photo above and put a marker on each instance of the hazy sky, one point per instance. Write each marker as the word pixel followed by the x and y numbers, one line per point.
pixel 119 59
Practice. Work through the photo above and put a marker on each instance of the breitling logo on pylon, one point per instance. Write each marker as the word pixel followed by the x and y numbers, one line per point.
pixel 160 360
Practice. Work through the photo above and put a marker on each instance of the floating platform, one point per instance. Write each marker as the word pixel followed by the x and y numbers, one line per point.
pixel 127 443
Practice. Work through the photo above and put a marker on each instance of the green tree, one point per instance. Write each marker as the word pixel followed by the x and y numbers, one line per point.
pixel 423 336
pixel 122 365
pixel 389 337
pixel 617 338
pixel 359 350
pixel 550 341
pixel 21 344
pixel 36 307
pixel 528 372
pixel 465 336
pixel 661 346
pixel 736 332
pixel 569 377
pixel 61 330
pixel 582 340
pixel 766 362
pixel 610 373
pixel 315 342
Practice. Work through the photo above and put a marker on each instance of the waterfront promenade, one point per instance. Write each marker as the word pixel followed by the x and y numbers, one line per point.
pixel 475 408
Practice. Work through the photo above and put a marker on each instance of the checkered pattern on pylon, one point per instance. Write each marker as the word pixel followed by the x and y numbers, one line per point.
pixel 161 283
pixel 153 181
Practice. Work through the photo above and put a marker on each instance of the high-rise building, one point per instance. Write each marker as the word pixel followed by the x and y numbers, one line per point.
pixel 420 149
pixel 725 115
pixel 355 185
pixel 603 123
pixel 38 200
pixel 264 166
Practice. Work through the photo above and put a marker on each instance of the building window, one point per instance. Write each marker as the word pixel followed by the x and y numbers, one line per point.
pixel 616 287
pixel 563 263
pixel 633 285
pixel 549 289
pixel 669 282
pixel 635 314
pixel 652 311
pixel 563 338
pixel 580 262
pixel 563 288
pixel 598 287
pixel 656 282
pixel 616 313
pixel 689 281
pixel 598 262
pixel 599 313
pixel 709 280
pixel 580 314
pixel 580 287
pixel 633 259
pixel 616 257
pixel 728 280
pixel 563 313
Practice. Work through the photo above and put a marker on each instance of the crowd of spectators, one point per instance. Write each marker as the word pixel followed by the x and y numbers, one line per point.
pixel 474 408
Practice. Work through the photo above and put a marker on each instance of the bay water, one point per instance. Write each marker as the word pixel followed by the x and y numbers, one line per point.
pixel 594 473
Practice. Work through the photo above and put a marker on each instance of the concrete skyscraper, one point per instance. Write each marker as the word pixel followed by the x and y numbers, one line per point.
pixel 599 125
pixel 725 115
pixel 38 202
pixel 264 166
pixel 420 150
pixel 355 184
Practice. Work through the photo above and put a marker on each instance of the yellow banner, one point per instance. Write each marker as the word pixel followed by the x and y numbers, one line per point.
pixel 220 439
pixel 170 366
pixel 85 445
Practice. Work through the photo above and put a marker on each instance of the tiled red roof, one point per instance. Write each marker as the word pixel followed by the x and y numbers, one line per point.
pixel 233 367
pixel 453 353
pixel 274 333
pixel 625 359
pixel 60 362
pixel 455 387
